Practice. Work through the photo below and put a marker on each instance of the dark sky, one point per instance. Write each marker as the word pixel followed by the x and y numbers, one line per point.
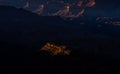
pixel 33 2
pixel 102 5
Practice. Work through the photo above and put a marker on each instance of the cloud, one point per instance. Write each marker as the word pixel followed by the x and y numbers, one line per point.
pixel 27 5
pixel 67 8
pixel 63 12
pixel 90 3
pixel 79 3
pixel 40 9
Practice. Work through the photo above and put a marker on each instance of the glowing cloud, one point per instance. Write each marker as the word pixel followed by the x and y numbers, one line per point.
pixel 80 13
pixel 39 10
pixel 63 12
pixel 27 5
pixel 80 2
pixel 63 8
pixel 90 3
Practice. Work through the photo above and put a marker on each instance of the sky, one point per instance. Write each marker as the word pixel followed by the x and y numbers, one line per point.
pixel 102 5
pixel 20 3
pixel 59 7
pixel 36 3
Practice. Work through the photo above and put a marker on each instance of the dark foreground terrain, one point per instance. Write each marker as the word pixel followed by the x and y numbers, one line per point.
pixel 94 44
pixel 19 59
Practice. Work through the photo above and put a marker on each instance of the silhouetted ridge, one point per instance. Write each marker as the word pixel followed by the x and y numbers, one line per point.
pixel 22 25
pixel 18 13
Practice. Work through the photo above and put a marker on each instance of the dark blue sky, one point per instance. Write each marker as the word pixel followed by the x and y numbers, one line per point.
pixel 110 4
pixel 33 2
pixel 102 6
